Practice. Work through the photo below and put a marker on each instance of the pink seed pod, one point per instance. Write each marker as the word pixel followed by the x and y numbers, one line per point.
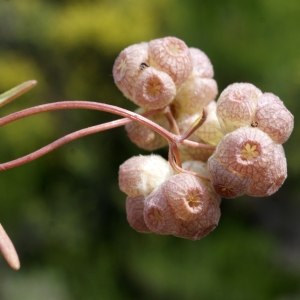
pixel 187 196
pixel 201 63
pixel 201 168
pixel 227 184
pixel 158 215
pixel 199 228
pixel 236 106
pixel 195 93
pixel 210 131
pixel 171 55
pixel 245 151
pixel 154 89
pixel 135 213
pixel 161 218
pixel 145 137
pixel 140 175
pixel 271 179
pixel 127 67
pixel 273 118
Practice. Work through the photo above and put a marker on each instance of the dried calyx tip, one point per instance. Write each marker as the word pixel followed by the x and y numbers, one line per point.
pixel 8 250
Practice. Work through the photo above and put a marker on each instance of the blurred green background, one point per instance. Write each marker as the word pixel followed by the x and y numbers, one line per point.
pixel 64 211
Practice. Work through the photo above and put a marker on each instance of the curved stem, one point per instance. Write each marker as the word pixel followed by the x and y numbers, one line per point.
pixel 176 167
pixel 197 145
pixel 129 117
pixel 88 105
pixel 62 141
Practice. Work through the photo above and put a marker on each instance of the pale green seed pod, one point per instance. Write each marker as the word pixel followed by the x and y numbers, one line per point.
pixel 140 175
pixel 195 93
pixel 210 131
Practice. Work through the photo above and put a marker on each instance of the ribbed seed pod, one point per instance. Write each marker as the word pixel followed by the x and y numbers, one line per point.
pixel 268 182
pixel 236 106
pixel 272 117
pixel 154 89
pixel 195 93
pixel 210 131
pixel 201 168
pixel 163 214
pixel 126 68
pixel 140 175
pixel 187 196
pixel 228 184
pixel 158 215
pixel 201 63
pixel 246 151
pixel 135 213
pixel 171 55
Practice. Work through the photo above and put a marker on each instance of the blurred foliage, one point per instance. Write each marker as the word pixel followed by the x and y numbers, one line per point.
pixel 65 212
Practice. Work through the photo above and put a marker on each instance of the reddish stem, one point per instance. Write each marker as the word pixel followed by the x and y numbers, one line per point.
pixel 129 117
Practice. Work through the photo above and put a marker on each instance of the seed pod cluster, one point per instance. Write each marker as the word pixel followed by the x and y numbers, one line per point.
pixel 245 129
pixel 166 203
pixel 165 72
pixel 250 159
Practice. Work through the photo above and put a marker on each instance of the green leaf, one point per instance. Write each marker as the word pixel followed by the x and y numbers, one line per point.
pixel 16 92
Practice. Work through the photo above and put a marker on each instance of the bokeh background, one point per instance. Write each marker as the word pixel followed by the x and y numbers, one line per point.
pixel 64 211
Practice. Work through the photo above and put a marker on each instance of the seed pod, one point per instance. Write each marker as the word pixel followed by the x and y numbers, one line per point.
pixel 201 168
pixel 195 93
pixel 236 106
pixel 158 215
pixel 187 196
pixel 201 63
pixel 140 175
pixel 245 151
pixel 154 89
pixel 163 214
pixel 272 117
pixel 135 213
pixel 126 68
pixel 171 55
pixel 271 179
pixel 143 136
pixel 228 184
pixel 210 131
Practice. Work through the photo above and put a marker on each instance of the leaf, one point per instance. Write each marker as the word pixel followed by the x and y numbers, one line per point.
pixel 16 92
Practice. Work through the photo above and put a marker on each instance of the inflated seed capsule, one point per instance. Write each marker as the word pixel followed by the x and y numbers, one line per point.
pixel 236 106
pixel 135 213
pixel 140 175
pixel 274 118
pixel 153 89
pixel 195 93
pixel 172 56
pixel 127 67
pixel 201 63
